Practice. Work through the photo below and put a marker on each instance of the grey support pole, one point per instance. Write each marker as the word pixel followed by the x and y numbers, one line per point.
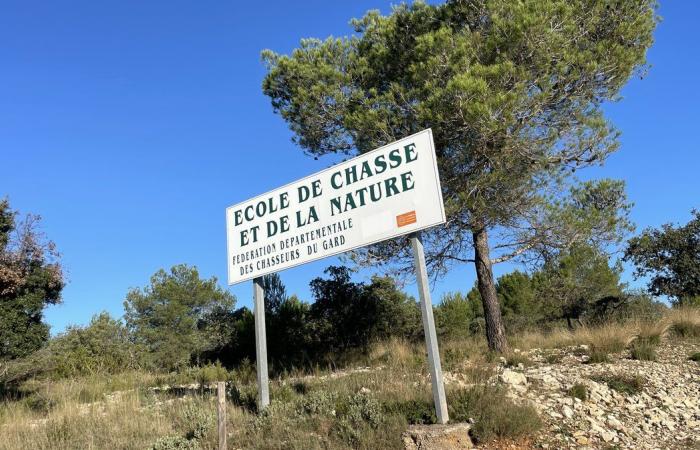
pixel 260 344
pixel 426 307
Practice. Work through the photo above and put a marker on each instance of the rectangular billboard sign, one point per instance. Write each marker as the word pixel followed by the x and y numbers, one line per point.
pixel 379 195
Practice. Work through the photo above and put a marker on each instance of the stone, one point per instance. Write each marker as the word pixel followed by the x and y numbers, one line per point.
pixel 614 423
pixel 437 437
pixel 513 378
pixel 607 436
pixel 567 411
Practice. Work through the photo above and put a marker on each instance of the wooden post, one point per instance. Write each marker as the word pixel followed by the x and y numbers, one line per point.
pixel 260 344
pixel 221 413
pixel 429 329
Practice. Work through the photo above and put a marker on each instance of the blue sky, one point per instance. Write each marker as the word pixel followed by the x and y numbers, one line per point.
pixel 130 126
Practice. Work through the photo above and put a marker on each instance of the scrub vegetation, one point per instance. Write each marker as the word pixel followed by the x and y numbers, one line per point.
pixel 512 124
pixel 363 399
pixel 348 368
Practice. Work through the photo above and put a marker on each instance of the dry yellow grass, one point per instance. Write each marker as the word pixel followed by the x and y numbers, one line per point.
pixel 121 412
pixel 395 353
pixel 652 331
pixel 684 321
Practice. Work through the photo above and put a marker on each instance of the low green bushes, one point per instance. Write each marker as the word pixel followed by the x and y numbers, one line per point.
pixel 579 391
pixel 495 415
pixel 416 412
pixel 623 384
pixel 643 350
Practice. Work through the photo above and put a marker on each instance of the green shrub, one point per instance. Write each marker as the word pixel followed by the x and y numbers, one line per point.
pixel 275 416
pixel 495 415
pixel 649 339
pixel 597 356
pixel 244 373
pixel 623 384
pixel 643 350
pixel 695 357
pixel 454 356
pixel 318 403
pixel 175 443
pixel 198 421
pixel 102 347
pixel 454 316
pixel 284 393
pixel 415 412
pixel 478 373
pixel 515 359
pixel 349 432
pixel 39 403
pixel 244 396
pixel 554 358
pixel 579 391
pixel 211 373
pixel 361 407
pixel 300 387
pixel 686 329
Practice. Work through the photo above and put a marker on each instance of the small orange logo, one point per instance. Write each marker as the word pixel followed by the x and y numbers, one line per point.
pixel 406 219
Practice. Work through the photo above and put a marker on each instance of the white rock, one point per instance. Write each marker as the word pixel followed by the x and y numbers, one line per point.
pixel 607 436
pixel 567 411
pixel 512 377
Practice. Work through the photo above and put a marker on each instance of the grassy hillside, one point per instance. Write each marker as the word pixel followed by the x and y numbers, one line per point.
pixel 365 403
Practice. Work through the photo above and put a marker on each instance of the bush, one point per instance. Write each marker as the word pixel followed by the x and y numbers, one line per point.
pixel 273 416
pixel 360 408
pixel 515 359
pixel 455 314
pixel 102 347
pixel 686 329
pixel 623 384
pixel 609 338
pixel 495 415
pixel 175 443
pixel 39 403
pixel 318 403
pixel 415 412
pixel 211 373
pixel 198 421
pixel 579 391
pixel 651 332
pixel 685 321
pixel 245 397
pixel 643 350
pixel 554 358
pixel 597 357
pixel 695 357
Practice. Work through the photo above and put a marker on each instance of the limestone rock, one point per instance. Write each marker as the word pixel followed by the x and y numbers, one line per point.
pixel 437 437
pixel 513 378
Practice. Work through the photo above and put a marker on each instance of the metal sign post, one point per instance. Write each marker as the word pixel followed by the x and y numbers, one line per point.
pixel 431 343
pixel 260 343
pixel 388 192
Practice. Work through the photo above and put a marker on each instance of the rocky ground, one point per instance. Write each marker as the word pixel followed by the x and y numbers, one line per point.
pixel 664 413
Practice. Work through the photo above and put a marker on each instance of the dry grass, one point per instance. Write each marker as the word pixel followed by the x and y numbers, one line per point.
pixel 397 354
pixel 350 408
pixel 557 338
pixel 684 322
pixel 615 337
pixel 651 332
pixel 608 338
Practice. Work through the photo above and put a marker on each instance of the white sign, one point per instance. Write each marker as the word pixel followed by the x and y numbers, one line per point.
pixel 388 192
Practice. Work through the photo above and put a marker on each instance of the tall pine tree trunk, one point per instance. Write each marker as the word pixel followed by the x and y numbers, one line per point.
pixel 495 332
